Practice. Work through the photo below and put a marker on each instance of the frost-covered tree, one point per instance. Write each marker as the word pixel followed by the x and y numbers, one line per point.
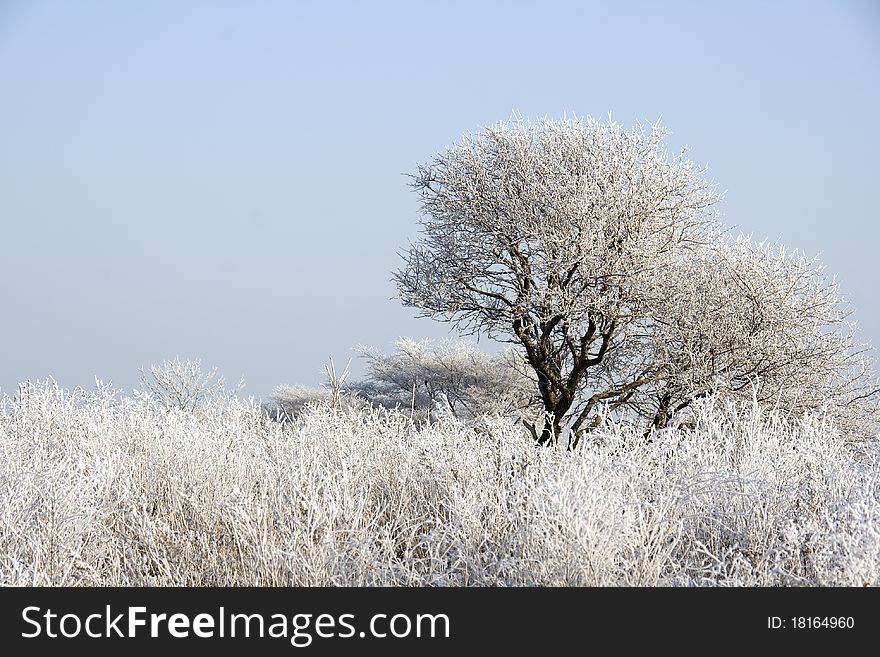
pixel 598 254
pixel 755 321
pixel 558 236
pixel 454 376
pixel 426 379
pixel 183 384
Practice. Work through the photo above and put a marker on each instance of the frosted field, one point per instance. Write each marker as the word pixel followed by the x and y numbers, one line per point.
pixel 96 489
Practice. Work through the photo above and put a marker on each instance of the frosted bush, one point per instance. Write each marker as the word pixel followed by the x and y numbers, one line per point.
pixel 101 489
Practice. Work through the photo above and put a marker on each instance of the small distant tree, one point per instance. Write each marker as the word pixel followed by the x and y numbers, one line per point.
pixel 755 321
pixel 455 375
pixel 599 255
pixel 183 384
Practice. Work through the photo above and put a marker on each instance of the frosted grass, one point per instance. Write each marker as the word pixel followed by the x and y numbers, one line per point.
pixel 97 489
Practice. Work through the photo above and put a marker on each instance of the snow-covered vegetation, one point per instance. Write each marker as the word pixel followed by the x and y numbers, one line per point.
pixel 101 489
pixel 427 379
pixel 600 256
pixel 677 407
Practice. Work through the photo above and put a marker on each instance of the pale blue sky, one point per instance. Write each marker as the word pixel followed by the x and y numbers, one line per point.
pixel 223 180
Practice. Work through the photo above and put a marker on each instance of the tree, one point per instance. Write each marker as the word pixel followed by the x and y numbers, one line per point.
pixel 184 384
pixel 456 375
pixel 591 248
pixel 755 321
pixel 557 236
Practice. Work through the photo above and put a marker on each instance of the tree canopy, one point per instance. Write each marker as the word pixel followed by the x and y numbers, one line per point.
pixel 600 255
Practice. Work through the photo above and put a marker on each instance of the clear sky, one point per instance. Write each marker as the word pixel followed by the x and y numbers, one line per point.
pixel 224 180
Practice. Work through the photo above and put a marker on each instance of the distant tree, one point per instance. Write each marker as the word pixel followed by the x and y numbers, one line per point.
pixel 597 253
pixel 447 377
pixel 183 384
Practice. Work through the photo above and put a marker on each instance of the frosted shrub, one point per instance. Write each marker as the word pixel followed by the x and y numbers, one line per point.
pixel 100 489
